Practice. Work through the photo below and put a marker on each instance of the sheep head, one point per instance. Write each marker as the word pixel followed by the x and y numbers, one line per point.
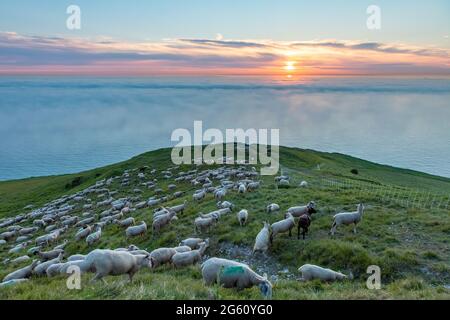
pixel 266 288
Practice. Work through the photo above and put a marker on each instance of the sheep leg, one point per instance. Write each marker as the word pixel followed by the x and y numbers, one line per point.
pixel 98 276
pixel 298 232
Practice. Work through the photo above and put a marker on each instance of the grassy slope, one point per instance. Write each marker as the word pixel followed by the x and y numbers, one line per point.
pixel 410 245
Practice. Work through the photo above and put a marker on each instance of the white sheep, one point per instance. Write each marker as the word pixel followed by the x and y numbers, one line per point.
pixel 242 217
pixel 48 255
pixel 253 185
pixel 282 226
pixel 225 204
pixel 197 196
pixel 109 262
pixel 41 268
pixel 75 257
pixel 162 220
pixel 54 269
pixel 242 188
pixel 95 236
pixel 125 222
pixel 273 207
pixel 193 243
pixel 311 272
pixel 161 256
pixel 303 184
pixel 297 211
pixel 232 274
pixel 136 230
pixel 83 233
pixel 219 194
pixel 21 273
pixel 201 224
pixel 347 218
pixel 262 239
pixel 182 259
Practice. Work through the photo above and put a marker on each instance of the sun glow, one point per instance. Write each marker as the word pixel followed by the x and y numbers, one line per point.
pixel 289 66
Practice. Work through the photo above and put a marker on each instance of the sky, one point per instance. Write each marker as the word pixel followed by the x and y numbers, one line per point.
pixel 251 37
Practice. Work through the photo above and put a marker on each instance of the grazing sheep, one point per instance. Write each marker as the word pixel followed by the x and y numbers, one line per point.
pixel 242 217
pixel 253 185
pixel 219 194
pixel 162 220
pixel 200 195
pixel 262 239
pixel 193 243
pixel 303 184
pixel 183 259
pixel 8 235
pixel 18 248
pixel 85 222
pixel 83 233
pixel 41 268
pixel 282 226
pixel 139 230
pixel 125 222
pixel 161 256
pixel 29 230
pixel 54 269
pixel 179 208
pixel 109 262
pixel 21 273
pixel 283 183
pixel 297 211
pixel 347 218
pixel 303 222
pixel 20 259
pixel 202 224
pixel 242 188
pixel 232 274
pixel 224 205
pixel 273 207
pixel 94 237
pixel 311 272
pixel 49 254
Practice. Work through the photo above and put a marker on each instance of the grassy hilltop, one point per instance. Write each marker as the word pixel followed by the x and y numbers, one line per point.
pixel 405 230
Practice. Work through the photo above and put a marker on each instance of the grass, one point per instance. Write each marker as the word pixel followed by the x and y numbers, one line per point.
pixel 410 244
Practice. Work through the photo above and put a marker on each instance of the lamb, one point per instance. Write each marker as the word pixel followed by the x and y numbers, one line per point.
pixel 262 239
pixel 201 224
pixel 282 226
pixel 83 233
pixel 109 262
pixel 232 274
pixel 193 243
pixel 273 207
pixel 125 222
pixel 182 259
pixel 21 273
pixel 347 218
pixel 41 268
pixel 242 217
pixel 50 254
pixel 94 237
pixel 311 272
pixel 303 222
pixel 136 230
pixel 297 211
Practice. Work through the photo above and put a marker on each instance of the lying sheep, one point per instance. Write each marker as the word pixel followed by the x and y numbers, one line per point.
pixel 232 274
pixel 347 218
pixel 311 272
pixel 242 217
pixel 109 262
pixel 262 239
pixel 201 224
pixel 139 230
pixel 193 243
pixel 273 207
pixel 282 226
pixel 95 236
pixel 297 211
pixel 183 259
pixel 21 273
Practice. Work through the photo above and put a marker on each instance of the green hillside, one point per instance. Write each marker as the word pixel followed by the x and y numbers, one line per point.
pixel 405 230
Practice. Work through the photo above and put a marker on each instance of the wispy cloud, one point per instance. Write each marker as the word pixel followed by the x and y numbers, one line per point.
pixel 55 55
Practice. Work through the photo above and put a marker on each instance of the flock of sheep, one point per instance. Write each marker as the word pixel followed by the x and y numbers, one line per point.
pixel 77 212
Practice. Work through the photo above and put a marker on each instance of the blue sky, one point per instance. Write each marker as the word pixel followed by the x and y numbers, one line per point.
pixel 417 22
